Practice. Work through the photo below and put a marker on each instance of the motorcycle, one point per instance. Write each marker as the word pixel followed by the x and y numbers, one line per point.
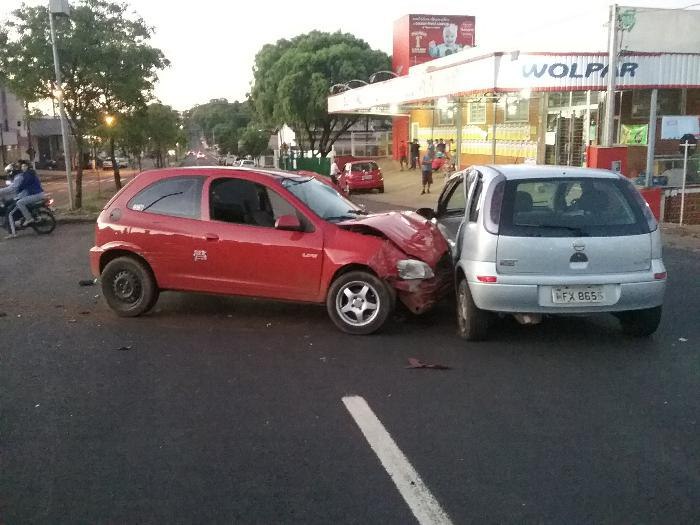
pixel 42 213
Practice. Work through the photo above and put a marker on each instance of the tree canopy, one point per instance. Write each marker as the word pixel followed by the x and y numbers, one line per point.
pixel 220 121
pixel 107 63
pixel 292 80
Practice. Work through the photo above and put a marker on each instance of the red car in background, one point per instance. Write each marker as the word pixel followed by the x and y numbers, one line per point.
pixel 361 175
pixel 266 234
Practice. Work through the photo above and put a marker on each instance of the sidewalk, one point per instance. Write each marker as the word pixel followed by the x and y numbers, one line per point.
pixel 98 188
pixel 402 188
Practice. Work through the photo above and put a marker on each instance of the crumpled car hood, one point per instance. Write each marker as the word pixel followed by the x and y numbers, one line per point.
pixel 412 233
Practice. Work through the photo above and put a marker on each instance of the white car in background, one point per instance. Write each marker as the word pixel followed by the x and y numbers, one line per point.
pixel 246 163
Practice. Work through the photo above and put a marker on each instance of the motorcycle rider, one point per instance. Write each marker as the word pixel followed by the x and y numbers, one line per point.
pixel 27 190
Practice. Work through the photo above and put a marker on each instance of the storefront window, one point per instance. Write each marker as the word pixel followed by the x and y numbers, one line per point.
pixel 558 99
pixel 477 113
pixel 668 102
pixel 445 117
pixel 517 109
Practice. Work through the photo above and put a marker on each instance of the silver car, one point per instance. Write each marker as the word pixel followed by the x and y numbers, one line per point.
pixel 538 240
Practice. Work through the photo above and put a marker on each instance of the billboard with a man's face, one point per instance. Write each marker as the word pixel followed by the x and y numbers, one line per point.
pixel 437 36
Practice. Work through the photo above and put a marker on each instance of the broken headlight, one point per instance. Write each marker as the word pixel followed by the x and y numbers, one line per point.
pixel 413 269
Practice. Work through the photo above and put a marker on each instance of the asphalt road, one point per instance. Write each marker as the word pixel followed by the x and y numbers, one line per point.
pixel 229 410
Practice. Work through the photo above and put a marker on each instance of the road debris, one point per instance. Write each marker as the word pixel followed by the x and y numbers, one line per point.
pixel 124 348
pixel 682 339
pixel 417 363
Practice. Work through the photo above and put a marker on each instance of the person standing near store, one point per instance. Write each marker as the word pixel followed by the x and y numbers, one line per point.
pixel 415 153
pixel 402 154
pixel 427 171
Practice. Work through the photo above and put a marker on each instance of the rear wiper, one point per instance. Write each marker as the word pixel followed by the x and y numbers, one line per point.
pixel 578 231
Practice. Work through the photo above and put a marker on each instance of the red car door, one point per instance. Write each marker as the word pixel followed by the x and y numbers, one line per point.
pixel 246 255
pixel 165 223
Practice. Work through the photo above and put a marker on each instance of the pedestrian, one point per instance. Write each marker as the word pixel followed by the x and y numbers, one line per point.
pixel 441 146
pixel 335 171
pixel 427 172
pixel 415 153
pixel 431 146
pixel 402 154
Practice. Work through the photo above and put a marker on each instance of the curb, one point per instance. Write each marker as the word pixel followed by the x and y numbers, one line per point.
pixel 78 219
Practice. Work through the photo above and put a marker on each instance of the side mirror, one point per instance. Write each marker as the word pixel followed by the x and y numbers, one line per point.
pixel 428 213
pixel 288 223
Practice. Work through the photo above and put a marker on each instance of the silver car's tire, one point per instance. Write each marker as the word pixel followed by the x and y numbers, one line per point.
pixel 359 303
pixel 472 323
pixel 640 323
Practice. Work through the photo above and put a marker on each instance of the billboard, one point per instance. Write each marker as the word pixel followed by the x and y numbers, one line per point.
pixel 654 30
pixel 437 36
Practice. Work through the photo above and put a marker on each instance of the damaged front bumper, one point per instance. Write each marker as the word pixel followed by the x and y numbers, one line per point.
pixel 420 295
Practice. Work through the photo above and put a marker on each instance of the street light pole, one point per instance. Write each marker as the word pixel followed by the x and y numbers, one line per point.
pixel 612 78
pixel 62 110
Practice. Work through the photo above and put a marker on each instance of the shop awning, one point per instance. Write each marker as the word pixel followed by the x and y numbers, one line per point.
pixel 469 73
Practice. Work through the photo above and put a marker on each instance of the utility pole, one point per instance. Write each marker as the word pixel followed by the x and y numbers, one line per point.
pixel 61 8
pixel 612 78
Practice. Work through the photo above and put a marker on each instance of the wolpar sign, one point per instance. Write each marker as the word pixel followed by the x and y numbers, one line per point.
pixel 590 71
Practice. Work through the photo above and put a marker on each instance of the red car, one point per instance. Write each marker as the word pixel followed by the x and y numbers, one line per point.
pixel 361 175
pixel 265 234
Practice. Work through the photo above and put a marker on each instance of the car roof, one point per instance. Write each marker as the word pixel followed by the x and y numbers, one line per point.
pixel 538 171
pixel 272 173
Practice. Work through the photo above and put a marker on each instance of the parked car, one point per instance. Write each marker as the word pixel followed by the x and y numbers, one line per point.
pixel 361 175
pixel 266 234
pixel 200 155
pixel 246 163
pixel 549 240
pixel 121 161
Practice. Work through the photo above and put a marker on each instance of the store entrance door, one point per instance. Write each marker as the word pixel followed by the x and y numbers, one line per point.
pixel 566 143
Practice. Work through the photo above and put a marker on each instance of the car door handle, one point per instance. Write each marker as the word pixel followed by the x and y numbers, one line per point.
pixel 211 236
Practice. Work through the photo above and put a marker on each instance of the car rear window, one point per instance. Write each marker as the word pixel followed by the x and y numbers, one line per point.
pixel 176 196
pixel 364 166
pixel 570 207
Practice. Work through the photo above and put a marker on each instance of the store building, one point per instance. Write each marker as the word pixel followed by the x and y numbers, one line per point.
pixel 547 106
pixel 514 107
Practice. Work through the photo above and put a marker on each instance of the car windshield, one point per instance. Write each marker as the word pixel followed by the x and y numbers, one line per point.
pixel 323 200
pixel 566 207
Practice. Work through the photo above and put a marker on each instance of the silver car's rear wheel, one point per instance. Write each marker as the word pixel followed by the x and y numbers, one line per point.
pixel 472 322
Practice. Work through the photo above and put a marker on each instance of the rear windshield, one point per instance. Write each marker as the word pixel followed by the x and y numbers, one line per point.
pixel 570 207
pixel 364 166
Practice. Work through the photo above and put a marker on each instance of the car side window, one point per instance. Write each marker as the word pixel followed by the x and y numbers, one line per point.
pixel 474 207
pixel 244 202
pixel 175 196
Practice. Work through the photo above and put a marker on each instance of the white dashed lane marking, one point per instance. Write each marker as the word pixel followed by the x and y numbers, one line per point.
pixel 423 504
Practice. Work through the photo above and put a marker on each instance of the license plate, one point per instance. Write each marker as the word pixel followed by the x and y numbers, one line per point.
pixel 367 177
pixel 577 294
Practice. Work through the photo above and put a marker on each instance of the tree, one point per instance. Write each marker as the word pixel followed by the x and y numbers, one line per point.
pixel 292 80
pixel 163 130
pixel 254 142
pixel 219 119
pixel 107 64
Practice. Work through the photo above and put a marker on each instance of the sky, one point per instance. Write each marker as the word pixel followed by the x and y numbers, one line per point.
pixel 211 44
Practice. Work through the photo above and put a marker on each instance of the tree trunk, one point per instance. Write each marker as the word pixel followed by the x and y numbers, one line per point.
pixel 79 174
pixel 115 165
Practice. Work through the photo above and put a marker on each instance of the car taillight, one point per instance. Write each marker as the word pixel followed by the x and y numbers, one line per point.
pixel 487 278
pixel 660 276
